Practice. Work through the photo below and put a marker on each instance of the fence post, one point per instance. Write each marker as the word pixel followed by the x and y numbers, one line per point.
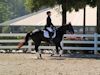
pixel 95 43
pixel 29 46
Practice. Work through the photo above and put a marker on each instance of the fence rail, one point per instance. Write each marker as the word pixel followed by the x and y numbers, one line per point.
pixel 95 42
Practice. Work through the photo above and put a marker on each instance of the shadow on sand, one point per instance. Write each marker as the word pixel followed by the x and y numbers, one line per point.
pixel 84 56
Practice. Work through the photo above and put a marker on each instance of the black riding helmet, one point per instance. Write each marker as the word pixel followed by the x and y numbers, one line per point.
pixel 48 12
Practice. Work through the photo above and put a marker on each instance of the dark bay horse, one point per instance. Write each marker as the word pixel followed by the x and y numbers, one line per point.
pixel 38 36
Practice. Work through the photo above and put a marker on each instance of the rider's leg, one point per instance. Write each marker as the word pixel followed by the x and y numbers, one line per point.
pixel 50 34
pixel 50 31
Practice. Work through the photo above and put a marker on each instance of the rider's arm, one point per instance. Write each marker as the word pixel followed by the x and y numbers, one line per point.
pixel 49 21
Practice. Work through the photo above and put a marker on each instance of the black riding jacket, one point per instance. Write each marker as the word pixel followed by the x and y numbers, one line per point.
pixel 49 23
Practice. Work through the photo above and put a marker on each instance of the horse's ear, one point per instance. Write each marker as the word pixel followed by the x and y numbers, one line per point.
pixel 69 24
pixel 65 24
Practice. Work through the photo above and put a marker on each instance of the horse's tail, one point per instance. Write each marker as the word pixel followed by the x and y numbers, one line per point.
pixel 26 39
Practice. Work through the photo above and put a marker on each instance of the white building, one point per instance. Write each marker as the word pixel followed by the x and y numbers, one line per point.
pixel 39 18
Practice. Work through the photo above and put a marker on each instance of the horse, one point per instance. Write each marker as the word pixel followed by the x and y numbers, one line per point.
pixel 38 35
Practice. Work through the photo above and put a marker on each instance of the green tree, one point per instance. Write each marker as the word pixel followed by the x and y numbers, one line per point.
pixel 67 5
pixel 4 11
pixel 34 5
pixel 10 9
pixel 17 7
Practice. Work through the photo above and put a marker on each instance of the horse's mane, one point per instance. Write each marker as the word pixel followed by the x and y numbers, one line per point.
pixel 59 27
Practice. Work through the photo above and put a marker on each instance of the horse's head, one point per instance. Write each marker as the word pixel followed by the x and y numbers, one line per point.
pixel 71 30
pixel 66 28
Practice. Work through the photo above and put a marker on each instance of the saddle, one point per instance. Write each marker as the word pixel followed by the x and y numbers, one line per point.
pixel 46 33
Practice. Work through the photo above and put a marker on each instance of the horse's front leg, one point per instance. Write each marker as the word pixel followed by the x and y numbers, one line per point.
pixel 38 52
pixel 55 52
pixel 61 51
pixel 39 55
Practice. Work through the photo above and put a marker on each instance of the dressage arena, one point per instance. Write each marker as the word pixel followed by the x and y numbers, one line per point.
pixel 27 64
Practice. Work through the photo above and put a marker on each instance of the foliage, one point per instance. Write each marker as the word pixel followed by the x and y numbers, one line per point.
pixel 32 5
pixel 4 11
pixel 67 5
pixel 10 9
pixel 92 3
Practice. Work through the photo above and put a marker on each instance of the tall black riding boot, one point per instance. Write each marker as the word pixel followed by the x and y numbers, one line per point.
pixel 51 40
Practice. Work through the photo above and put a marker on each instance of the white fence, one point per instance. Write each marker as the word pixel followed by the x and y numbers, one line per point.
pixel 14 47
pixel 94 42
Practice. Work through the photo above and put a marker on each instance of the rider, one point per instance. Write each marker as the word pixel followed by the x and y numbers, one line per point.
pixel 49 26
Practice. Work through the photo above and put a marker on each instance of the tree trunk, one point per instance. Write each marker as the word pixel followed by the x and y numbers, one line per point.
pixel 98 17
pixel 64 20
pixel 64 12
pixel 84 20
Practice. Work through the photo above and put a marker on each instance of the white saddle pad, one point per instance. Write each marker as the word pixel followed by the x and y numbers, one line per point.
pixel 34 31
pixel 46 34
pixel 49 29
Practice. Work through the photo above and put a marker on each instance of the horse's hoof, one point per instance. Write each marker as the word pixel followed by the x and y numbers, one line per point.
pixel 52 55
pixel 59 55
pixel 39 58
pixel 17 49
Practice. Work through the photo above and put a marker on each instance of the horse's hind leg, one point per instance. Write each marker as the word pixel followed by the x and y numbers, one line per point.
pixel 38 52
pixel 57 50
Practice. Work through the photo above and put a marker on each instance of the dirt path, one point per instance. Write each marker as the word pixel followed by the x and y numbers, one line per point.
pixel 27 64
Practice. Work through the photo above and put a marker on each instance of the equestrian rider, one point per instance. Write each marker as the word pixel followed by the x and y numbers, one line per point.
pixel 49 26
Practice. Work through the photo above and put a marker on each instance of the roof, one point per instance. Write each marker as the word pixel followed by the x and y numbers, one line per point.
pixel 39 18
